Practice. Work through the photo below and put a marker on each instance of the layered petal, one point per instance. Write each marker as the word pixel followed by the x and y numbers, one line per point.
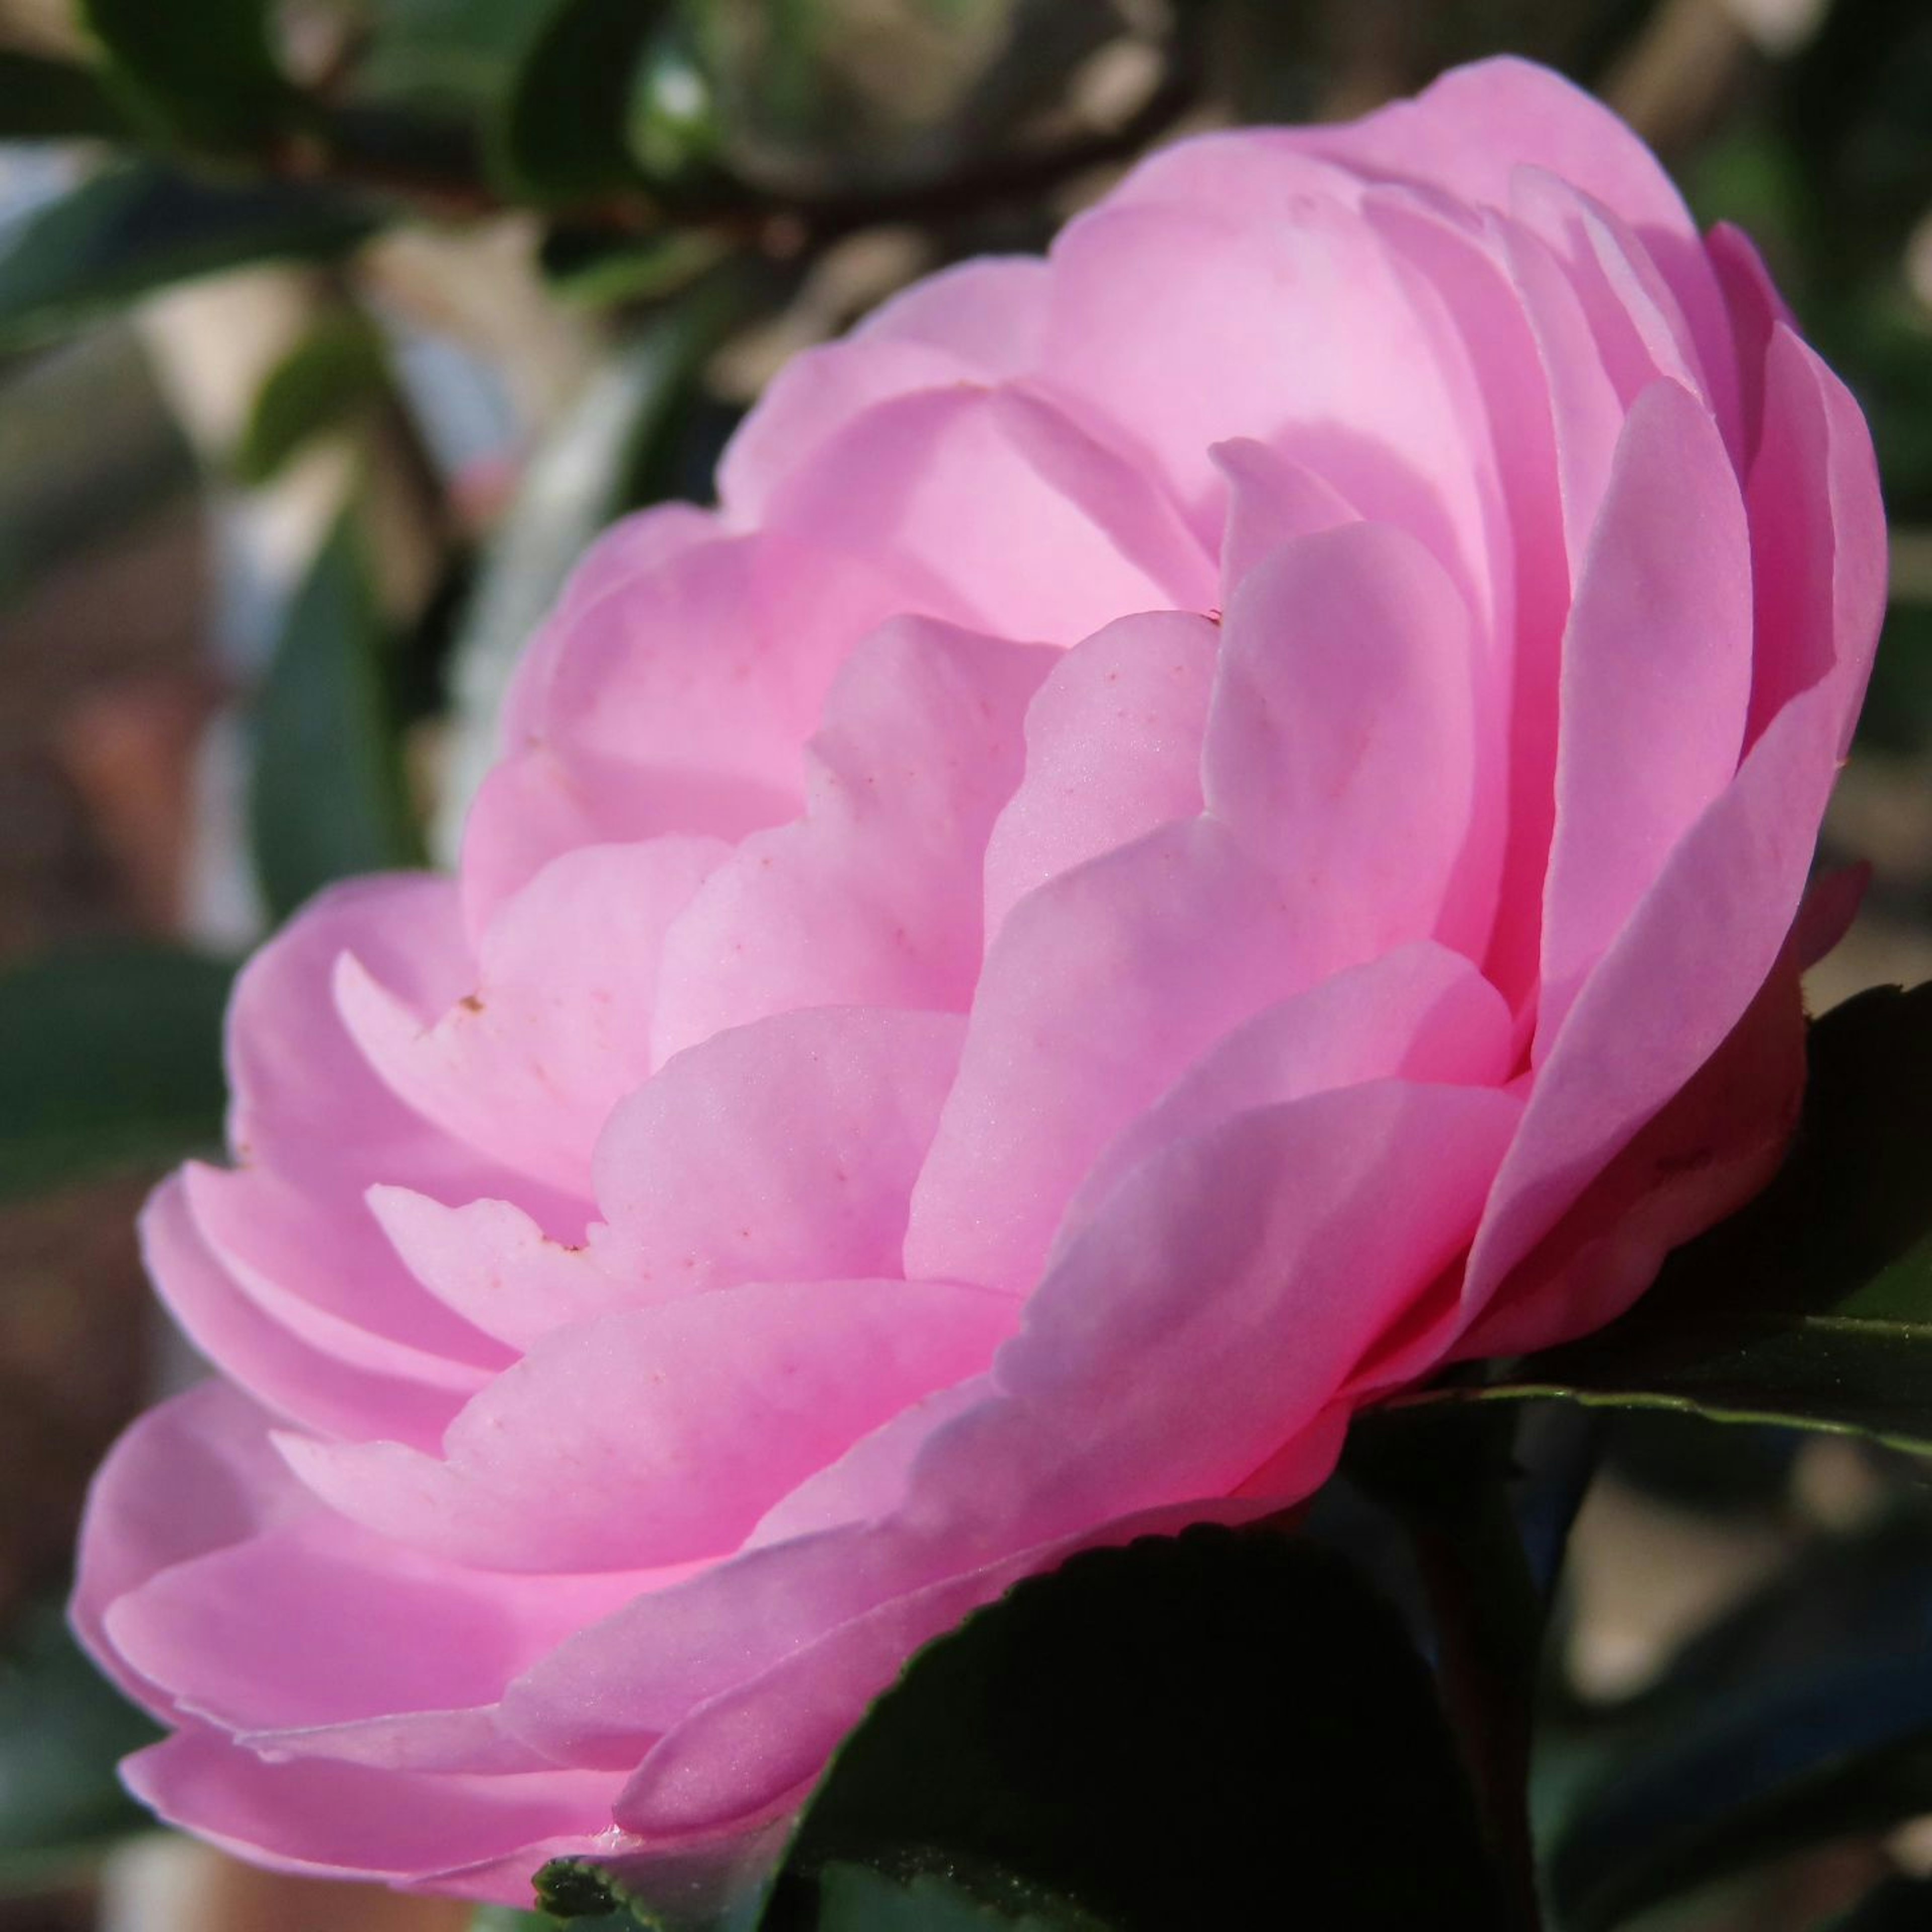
pixel 874 897
pixel 661 1435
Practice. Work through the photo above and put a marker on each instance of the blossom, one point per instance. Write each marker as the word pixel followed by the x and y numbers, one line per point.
pixel 1215 821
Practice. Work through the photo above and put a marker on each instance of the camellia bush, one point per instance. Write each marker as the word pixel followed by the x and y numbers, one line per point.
pixel 1116 979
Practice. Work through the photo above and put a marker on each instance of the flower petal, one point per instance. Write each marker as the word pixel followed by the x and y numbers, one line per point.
pixel 661 1435
pixel 1113 750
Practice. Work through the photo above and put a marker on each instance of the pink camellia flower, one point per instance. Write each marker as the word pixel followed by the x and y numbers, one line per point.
pixel 1215 821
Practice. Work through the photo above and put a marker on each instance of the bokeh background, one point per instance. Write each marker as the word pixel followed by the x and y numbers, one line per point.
pixel 328 334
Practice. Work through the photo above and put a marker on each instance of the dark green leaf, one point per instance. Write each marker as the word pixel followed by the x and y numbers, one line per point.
pixel 1217 1729
pixel 63 1729
pixel 132 229
pixel 334 374
pixel 562 135
pixel 328 798
pixel 51 99
pixel 854 1898
pixel 1819 1752
pixel 1812 1307
pixel 200 72
pixel 110 1057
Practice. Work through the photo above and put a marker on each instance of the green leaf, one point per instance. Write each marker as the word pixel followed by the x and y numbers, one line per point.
pixel 1216 1730
pixel 562 134
pixel 43 100
pixel 701 1893
pixel 200 72
pixel 134 229
pixel 336 371
pixel 110 1057
pixel 854 1898
pixel 1812 1307
pixel 1818 1754
pixel 328 798
pixel 63 1729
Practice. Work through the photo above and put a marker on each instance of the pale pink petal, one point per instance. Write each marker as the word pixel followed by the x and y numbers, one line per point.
pixel 496 1266
pixel 1286 334
pixel 1587 413
pixel 1756 310
pixel 716 665
pixel 1420 1012
pixel 1293 1212
pixel 1270 501
pixel 784 1150
pixel 526 1066
pixel 1099 991
pixel 990 312
pixel 1818 545
pixel 874 898
pixel 814 397
pixel 1657 670
pixel 195 1475
pixel 662 1434
pixel 537 805
pixel 1319 1221
pixel 1341 743
pixel 274 1365
pixel 1685 968
pixel 1113 750
pixel 977 321
pixel 1468 132
pixel 1717 1140
pixel 1463 257
pixel 1002 508
pixel 315 1275
pixel 313 1622
pixel 1641 332
pixel 347 1821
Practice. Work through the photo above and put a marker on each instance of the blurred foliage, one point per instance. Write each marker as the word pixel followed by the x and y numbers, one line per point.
pixel 684 190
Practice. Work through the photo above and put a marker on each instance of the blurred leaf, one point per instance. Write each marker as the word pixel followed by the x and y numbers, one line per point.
pixel 1897 716
pixel 328 798
pixel 458 55
pixel 671 122
pixel 854 1898
pixel 830 97
pixel 201 72
pixel 110 1057
pixel 1812 1307
pixel 132 229
pixel 63 1729
pixel 1214 1729
pixel 337 371
pixel 1815 1754
pixel 53 100
pixel 596 269
pixel 561 136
